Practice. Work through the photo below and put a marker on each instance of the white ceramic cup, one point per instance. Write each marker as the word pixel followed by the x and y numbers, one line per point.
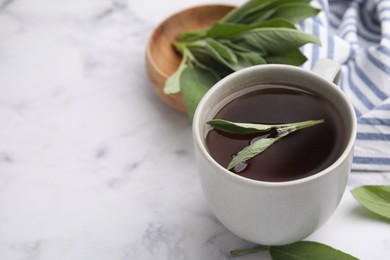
pixel 274 213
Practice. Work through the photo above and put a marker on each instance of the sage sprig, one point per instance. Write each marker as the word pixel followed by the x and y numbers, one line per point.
pixel 375 198
pixel 298 250
pixel 262 144
pixel 257 32
pixel 249 128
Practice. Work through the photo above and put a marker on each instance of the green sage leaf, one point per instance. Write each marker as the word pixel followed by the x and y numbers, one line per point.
pixel 308 250
pixel 247 59
pixel 172 84
pixel 295 12
pixel 293 57
pixel 251 151
pixel 227 30
pixel 253 9
pixel 192 35
pixel 250 46
pixel 275 22
pixel 260 145
pixel 212 52
pixel 266 10
pixel 258 16
pixel 374 198
pixel 244 46
pixel 238 48
pixel 223 51
pixel 277 40
pixel 203 57
pixel 250 128
pixel 238 60
pixel 239 128
pixel 237 14
pixel 195 82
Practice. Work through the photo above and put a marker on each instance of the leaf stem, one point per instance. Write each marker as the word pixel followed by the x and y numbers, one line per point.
pixel 298 126
pixel 179 46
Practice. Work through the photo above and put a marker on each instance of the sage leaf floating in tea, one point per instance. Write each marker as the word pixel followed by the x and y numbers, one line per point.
pixel 249 128
pixel 375 198
pixel 257 32
pixel 251 151
pixel 262 144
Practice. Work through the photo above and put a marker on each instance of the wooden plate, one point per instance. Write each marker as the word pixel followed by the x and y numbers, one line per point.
pixel 162 60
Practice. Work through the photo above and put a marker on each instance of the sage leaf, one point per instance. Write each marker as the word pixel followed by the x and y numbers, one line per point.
pixel 237 14
pixel 172 84
pixel 223 51
pixel 195 82
pixel 203 57
pixel 250 128
pixel 247 59
pixel 251 151
pixel 374 198
pixel 295 12
pixel 215 53
pixel 293 57
pixel 258 16
pixel 266 10
pixel 308 250
pixel 262 144
pixel 277 40
pixel 192 35
pixel 238 48
pixel 275 22
pixel 237 61
pixel 227 30
pixel 243 12
pixel 243 43
pixel 239 128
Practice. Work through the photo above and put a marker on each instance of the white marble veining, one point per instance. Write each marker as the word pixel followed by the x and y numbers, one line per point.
pixel 93 165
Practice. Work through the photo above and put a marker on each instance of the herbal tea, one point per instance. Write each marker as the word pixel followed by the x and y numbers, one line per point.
pixel 300 154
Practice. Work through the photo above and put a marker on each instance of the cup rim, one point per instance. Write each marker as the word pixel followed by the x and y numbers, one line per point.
pixel 198 139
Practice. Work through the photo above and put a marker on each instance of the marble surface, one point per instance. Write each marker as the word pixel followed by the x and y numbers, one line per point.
pixel 93 165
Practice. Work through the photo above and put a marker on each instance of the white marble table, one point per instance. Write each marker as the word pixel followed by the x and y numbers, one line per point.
pixel 92 165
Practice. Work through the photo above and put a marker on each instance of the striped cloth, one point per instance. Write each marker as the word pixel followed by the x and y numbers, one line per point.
pixel 356 34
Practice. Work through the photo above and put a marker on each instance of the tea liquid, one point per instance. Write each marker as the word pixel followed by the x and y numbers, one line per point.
pixel 300 154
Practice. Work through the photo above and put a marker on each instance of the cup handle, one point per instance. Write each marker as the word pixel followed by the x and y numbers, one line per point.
pixel 327 69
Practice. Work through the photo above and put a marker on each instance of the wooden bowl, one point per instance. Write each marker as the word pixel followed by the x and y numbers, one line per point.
pixel 162 60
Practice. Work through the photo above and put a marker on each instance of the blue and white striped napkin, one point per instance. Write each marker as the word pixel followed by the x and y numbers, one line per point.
pixel 356 34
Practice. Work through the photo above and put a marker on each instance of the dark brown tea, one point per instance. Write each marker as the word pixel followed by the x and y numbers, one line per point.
pixel 300 154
